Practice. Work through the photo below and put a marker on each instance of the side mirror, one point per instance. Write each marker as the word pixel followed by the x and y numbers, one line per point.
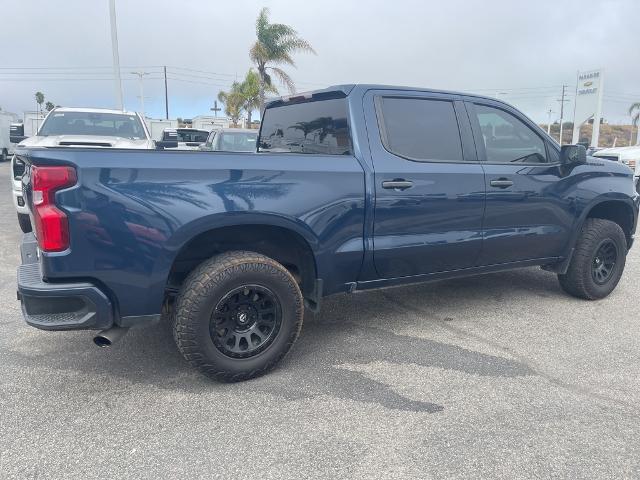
pixel 162 144
pixel 573 154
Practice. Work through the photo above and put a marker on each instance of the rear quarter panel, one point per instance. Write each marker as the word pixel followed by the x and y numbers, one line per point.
pixel 132 212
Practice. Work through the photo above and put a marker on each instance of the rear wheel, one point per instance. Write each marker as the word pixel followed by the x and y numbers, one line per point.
pixel 598 260
pixel 25 222
pixel 237 315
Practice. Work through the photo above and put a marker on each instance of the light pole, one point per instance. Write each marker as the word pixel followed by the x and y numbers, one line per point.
pixel 116 55
pixel 549 112
pixel 140 75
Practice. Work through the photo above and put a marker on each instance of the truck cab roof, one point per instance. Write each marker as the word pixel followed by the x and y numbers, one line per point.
pixel 344 90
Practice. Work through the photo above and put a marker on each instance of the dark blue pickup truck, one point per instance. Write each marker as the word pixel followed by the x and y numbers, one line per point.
pixel 352 187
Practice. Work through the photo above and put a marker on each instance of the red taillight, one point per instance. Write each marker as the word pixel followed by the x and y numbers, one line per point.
pixel 52 227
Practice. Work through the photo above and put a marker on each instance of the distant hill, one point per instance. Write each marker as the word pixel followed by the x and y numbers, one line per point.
pixel 608 134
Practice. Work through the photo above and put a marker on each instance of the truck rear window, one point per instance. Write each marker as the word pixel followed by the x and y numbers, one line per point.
pixel 310 127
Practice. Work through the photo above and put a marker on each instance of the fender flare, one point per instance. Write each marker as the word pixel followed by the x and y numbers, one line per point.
pixel 563 266
pixel 189 231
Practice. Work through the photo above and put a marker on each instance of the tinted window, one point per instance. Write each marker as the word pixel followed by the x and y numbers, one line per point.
pixel 86 123
pixel 192 135
pixel 310 127
pixel 421 129
pixel 507 139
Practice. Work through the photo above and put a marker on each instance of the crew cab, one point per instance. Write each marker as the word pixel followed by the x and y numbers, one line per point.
pixel 353 187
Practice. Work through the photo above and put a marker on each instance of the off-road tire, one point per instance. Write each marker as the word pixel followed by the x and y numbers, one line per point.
pixel 579 281
pixel 206 286
pixel 25 222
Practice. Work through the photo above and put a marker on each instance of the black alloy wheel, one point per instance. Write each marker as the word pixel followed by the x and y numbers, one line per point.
pixel 245 321
pixel 604 262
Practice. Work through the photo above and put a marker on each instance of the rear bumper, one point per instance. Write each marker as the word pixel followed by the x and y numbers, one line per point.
pixel 58 306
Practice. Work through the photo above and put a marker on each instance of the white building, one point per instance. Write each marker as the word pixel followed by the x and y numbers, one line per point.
pixel 209 122
pixel 157 126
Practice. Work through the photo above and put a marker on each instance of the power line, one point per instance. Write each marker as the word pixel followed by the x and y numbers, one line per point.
pixel 68 79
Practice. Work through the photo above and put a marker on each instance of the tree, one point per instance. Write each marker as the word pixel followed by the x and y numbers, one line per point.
pixel 634 111
pixel 250 91
pixel 49 106
pixel 274 46
pixel 233 101
pixel 39 100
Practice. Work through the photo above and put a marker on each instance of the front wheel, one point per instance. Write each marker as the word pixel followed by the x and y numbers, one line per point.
pixel 598 260
pixel 237 315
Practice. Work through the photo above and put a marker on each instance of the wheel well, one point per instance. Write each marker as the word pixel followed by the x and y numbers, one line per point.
pixel 617 212
pixel 284 246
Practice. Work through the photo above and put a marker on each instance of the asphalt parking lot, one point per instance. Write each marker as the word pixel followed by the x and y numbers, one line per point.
pixel 499 376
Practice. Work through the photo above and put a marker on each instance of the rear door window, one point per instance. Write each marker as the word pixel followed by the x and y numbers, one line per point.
pixel 420 129
pixel 310 127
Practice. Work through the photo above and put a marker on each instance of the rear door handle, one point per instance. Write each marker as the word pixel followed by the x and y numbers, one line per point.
pixel 501 183
pixel 397 184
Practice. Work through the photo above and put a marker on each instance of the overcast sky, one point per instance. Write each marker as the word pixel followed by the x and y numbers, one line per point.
pixel 521 51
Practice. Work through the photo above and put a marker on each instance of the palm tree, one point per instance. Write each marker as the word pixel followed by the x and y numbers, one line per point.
pixel 39 100
pixel 634 111
pixel 233 101
pixel 275 44
pixel 250 91
pixel 49 106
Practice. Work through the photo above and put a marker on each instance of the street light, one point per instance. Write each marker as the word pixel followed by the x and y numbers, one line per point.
pixel 140 75
pixel 116 55
pixel 549 112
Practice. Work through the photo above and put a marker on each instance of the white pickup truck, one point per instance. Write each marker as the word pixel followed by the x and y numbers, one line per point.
pixel 82 127
pixel 630 156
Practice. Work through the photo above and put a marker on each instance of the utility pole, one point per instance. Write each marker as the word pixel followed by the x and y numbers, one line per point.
pixel 116 55
pixel 140 75
pixel 166 95
pixel 549 112
pixel 215 108
pixel 562 100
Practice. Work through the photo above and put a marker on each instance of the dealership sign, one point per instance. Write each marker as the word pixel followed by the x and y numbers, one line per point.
pixel 588 104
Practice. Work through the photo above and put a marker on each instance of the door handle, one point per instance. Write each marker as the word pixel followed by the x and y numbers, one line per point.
pixel 397 184
pixel 501 183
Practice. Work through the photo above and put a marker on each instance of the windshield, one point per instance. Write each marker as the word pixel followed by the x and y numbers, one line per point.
pixel 87 123
pixel 199 136
pixel 238 141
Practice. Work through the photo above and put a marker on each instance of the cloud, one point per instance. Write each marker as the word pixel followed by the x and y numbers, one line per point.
pixel 487 47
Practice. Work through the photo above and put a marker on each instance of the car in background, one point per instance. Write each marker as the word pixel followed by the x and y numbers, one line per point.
pixel 630 156
pixel 187 138
pixel 231 140
pixel 80 127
